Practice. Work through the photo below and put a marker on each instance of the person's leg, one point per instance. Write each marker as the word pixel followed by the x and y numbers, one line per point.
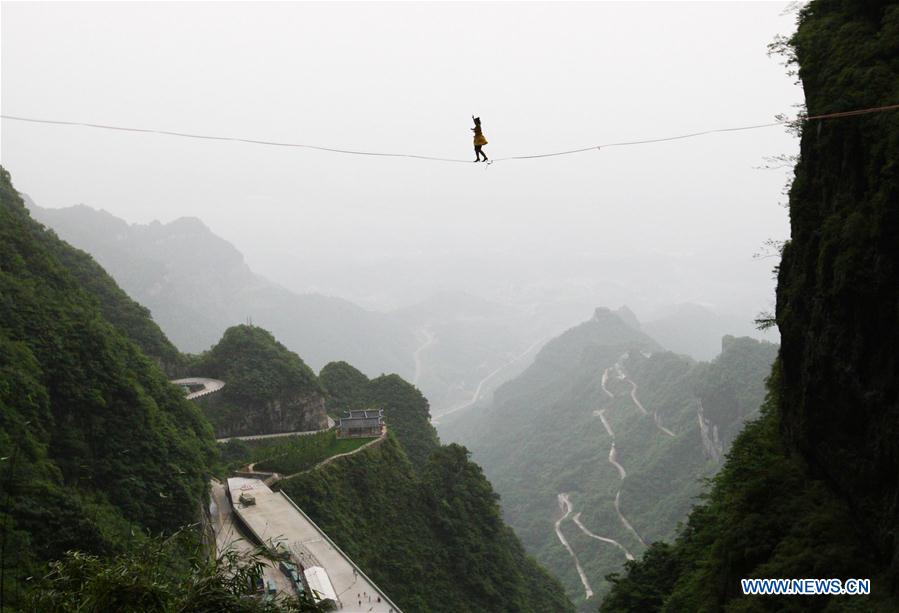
pixel 484 154
pixel 477 153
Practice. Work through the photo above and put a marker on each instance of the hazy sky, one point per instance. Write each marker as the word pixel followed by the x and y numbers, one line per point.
pixel 406 77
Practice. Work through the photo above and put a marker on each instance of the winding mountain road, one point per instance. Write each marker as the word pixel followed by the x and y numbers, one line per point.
pixel 605 379
pixel 576 518
pixel 656 418
pixel 637 403
pixel 605 423
pixel 477 393
pixel 624 520
pixel 209 386
pixel 613 460
pixel 565 505
pixel 430 339
pixel 613 451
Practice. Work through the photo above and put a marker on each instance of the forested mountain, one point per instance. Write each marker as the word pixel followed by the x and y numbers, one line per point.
pixel 96 446
pixel 405 409
pixel 420 518
pixel 810 488
pixel 605 439
pixel 196 285
pixel 268 389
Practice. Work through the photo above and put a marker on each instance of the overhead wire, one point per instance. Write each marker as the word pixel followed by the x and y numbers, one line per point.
pixel 779 122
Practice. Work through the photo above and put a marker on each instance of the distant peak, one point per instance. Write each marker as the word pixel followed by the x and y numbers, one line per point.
pixel 188 223
pixel 601 313
pixel 627 316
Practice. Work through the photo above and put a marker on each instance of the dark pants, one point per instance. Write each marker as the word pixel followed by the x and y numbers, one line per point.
pixel 478 153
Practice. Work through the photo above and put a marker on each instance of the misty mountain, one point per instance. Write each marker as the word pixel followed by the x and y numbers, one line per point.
pixel 696 330
pixel 601 402
pixel 197 285
pixel 269 389
pixel 453 345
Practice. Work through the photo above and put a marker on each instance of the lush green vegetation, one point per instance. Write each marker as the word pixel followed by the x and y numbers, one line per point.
pixel 542 437
pixel 809 489
pixel 347 388
pixel 764 517
pixel 421 519
pixel 432 538
pixel 129 317
pixel 405 409
pixel 268 388
pixel 287 455
pixel 159 576
pixel 96 445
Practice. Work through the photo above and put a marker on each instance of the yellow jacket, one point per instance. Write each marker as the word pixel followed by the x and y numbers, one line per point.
pixel 479 139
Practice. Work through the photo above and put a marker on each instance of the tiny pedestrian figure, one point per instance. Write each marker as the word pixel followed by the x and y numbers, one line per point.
pixel 479 139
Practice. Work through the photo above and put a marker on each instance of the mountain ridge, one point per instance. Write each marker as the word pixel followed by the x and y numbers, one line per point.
pixel 197 284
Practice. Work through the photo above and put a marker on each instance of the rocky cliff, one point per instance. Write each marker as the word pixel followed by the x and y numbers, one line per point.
pixel 838 287
pixel 811 489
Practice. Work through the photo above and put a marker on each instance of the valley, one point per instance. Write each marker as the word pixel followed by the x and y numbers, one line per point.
pixel 598 442
pixel 270 341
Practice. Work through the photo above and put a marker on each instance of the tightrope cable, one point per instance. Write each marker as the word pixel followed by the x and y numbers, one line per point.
pixel 779 122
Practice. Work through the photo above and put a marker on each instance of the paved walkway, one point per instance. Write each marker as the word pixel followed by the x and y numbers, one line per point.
pixel 209 386
pixel 277 519
pixel 256 437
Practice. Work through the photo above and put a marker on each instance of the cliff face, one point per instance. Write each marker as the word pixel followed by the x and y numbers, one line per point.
pixel 296 412
pixel 838 286
pixel 810 488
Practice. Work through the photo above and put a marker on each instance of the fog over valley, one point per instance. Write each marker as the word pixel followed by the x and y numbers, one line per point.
pixel 519 307
pixel 650 226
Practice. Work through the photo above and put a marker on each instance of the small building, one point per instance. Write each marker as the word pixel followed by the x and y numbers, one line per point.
pixel 359 424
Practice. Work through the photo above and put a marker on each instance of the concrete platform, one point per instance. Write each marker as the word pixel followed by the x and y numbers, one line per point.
pixel 274 518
